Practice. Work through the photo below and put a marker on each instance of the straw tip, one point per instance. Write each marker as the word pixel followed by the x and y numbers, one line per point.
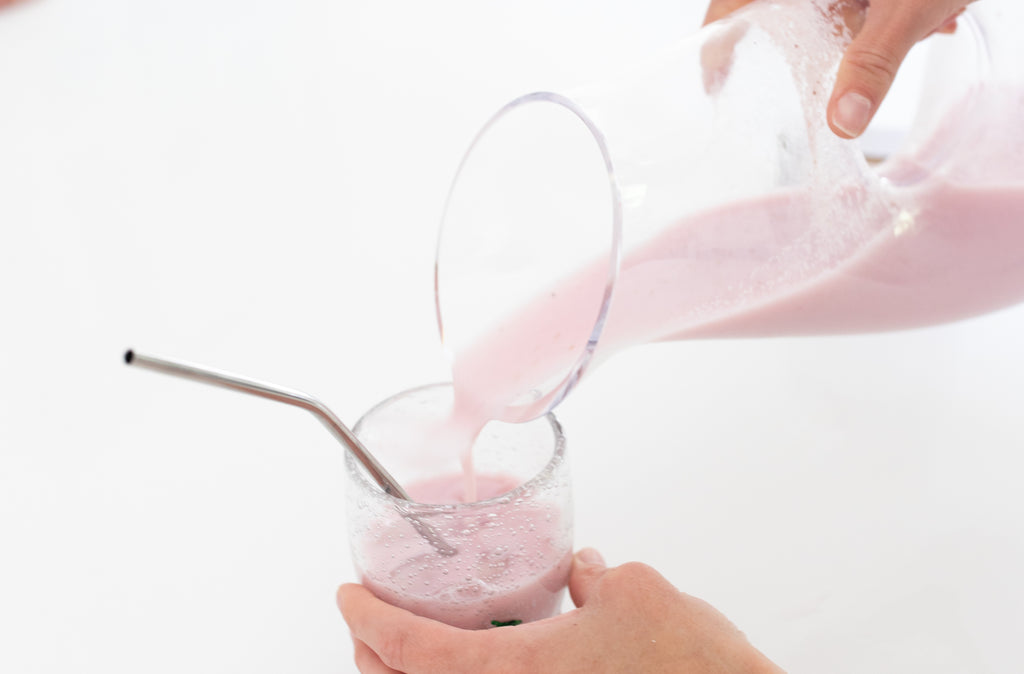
pixel 129 355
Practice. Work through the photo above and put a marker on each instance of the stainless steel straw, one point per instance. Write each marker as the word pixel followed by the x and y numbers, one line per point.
pixel 308 403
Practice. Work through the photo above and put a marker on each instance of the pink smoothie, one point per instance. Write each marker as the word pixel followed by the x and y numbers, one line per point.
pixel 909 248
pixel 513 561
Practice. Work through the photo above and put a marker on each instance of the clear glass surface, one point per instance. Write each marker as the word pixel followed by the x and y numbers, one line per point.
pixel 514 548
pixel 701 193
pixel 533 198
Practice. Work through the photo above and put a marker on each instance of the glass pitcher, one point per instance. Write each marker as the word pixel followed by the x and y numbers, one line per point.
pixel 701 194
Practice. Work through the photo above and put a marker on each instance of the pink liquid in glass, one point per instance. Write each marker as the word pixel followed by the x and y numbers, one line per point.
pixel 511 567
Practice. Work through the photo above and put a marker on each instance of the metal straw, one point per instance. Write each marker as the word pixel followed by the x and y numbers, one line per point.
pixel 308 403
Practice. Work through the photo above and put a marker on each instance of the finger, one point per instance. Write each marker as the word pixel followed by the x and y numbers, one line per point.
pixel 949 25
pixel 716 55
pixel 870 63
pixel 404 641
pixel 367 661
pixel 587 567
pixel 719 8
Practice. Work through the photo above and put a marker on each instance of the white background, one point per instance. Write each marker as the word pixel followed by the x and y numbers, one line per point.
pixel 256 186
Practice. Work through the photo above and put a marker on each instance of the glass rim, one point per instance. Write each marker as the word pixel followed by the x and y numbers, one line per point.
pixel 356 472
pixel 552 397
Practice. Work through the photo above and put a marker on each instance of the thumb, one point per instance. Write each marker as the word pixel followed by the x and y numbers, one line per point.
pixel 587 567
pixel 865 74
pixel 720 8
pixel 871 60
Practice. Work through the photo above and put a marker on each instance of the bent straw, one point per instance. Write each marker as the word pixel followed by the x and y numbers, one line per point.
pixel 308 403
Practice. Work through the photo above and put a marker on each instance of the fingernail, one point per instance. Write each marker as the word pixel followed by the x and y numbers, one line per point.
pixel 852 114
pixel 590 556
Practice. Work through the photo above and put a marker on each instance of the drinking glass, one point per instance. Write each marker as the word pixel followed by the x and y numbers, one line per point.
pixel 513 545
